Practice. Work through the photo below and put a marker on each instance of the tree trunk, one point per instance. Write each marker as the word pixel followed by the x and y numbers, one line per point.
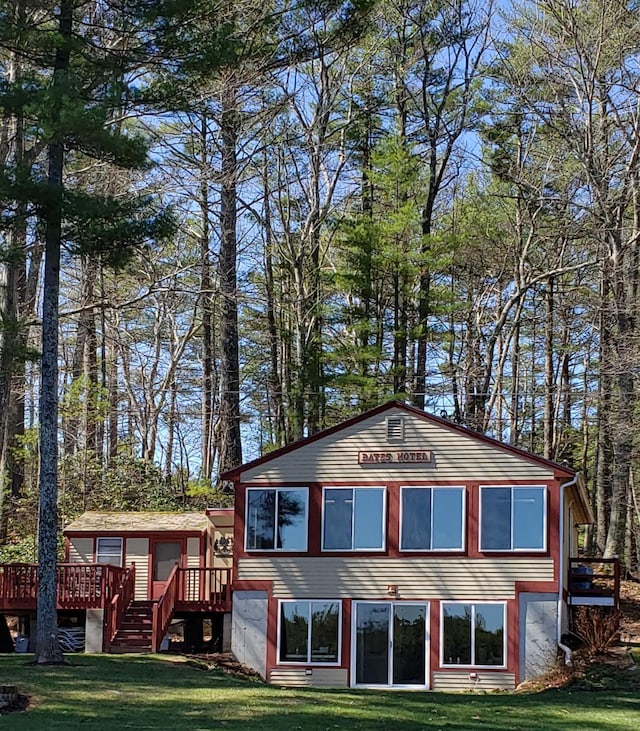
pixel 228 425
pixel 275 398
pixel 549 382
pixel 206 307
pixel 47 646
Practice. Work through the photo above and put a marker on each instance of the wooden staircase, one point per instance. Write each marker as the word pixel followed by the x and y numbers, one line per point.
pixel 134 633
pixel 139 626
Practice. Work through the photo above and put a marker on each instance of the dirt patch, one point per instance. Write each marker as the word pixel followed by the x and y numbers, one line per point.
pixel 222 661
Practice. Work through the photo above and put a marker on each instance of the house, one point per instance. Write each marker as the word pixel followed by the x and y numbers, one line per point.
pixel 395 550
pixel 402 550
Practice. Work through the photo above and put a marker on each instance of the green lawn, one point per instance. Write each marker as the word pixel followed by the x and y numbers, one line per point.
pixel 112 693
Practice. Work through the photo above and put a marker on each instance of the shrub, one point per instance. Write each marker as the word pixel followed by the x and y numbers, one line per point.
pixel 597 627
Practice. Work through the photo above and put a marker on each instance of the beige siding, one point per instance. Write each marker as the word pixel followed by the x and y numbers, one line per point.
pixel 137 552
pixel 81 550
pixel 368 578
pixel 453 681
pixel 193 562
pixel 320 677
pixel 193 553
pixel 456 456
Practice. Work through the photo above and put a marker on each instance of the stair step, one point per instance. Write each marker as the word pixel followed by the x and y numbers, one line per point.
pixel 134 632
pixel 133 641
pixel 136 629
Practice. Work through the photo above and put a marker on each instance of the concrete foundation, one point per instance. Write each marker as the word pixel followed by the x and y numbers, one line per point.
pixel 537 630
pixel 94 631
pixel 249 629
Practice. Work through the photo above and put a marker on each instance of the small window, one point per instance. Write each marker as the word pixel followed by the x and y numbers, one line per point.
pixel 353 519
pixel 309 632
pixel 473 635
pixel 432 519
pixel 513 518
pixel 109 550
pixel 276 519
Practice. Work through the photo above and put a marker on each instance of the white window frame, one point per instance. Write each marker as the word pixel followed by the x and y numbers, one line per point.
pixel 545 493
pixel 310 602
pixel 427 648
pixel 275 549
pixel 463 516
pixel 353 518
pixel 473 605
pixel 109 538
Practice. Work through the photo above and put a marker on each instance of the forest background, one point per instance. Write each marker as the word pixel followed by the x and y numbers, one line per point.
pixel 434 201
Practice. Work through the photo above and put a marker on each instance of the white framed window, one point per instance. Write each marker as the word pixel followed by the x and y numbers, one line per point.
pixel 513 518
pixel 109 550
pixel 276 519
pixel 432 518
pixel 473 634
pixel 353 518
pixel 310 632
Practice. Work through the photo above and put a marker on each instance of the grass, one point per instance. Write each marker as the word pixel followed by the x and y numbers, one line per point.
pixel 114 693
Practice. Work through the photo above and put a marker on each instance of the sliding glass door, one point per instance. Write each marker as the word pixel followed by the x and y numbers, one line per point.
pixel 390 644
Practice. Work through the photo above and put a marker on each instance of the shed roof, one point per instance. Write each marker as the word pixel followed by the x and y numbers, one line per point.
pixel 96 522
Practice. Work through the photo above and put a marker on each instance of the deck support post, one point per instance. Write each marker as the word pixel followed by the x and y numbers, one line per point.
pixel 94 631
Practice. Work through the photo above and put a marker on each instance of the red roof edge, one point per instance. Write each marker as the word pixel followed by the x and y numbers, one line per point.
pixel 234 473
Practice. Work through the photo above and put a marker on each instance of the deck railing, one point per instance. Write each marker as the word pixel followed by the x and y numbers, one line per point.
pixel 78 586
pixel 119 603
pixel 594 581
pixel 163 609
pixel 207 586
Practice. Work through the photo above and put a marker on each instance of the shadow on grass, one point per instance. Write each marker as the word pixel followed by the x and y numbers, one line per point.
pixel 102 693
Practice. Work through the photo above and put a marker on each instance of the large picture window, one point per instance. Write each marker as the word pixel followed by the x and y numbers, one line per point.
pixel 309 632
pixel 276 519
pixel 109 550
pixel 473 634
pixel 432 518
pixel 513 518
pixel 353 519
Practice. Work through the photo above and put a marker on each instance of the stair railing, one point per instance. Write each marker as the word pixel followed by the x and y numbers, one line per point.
pixel 163 609
pixel 117 607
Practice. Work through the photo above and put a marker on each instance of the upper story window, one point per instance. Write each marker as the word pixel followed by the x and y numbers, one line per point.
pixel 276 519
pixel 473 634
pixel 353 519
pixel 432 519
pixel 109 550
pixel 513 518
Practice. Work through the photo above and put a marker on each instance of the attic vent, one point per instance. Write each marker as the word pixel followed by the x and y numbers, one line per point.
pixel 395 429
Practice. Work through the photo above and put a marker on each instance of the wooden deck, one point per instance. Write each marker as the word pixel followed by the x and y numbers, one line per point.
pixel 94 586
pixel 594 582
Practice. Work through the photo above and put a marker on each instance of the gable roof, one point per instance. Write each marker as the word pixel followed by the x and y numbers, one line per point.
pixel 151 522
pixel 236 472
